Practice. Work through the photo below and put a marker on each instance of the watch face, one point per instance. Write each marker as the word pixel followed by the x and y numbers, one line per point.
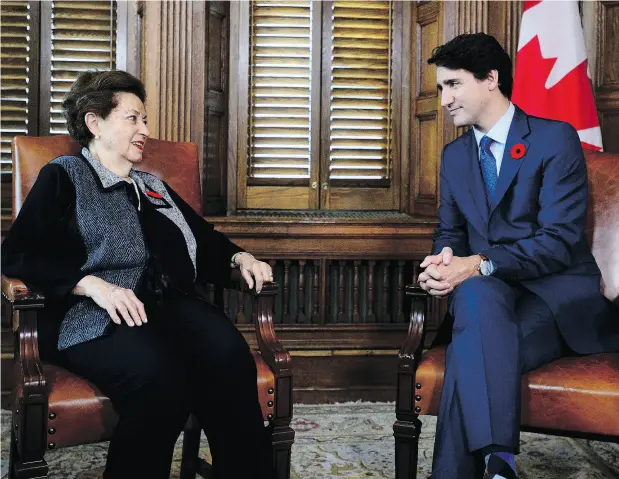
pixel 484 267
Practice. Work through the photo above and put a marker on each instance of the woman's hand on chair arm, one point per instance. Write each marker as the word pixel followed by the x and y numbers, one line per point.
pixel 252 269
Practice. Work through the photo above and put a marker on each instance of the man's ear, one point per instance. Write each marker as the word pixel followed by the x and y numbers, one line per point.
pixel 92 123
pixel 493 80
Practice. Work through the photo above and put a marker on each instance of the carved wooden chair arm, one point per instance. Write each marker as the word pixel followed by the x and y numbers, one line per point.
pixel 413 344
pixel 22 304
pixel 14 290
pixel 273 352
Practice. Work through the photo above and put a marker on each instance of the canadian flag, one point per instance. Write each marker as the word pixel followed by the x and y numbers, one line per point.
pixel 552 77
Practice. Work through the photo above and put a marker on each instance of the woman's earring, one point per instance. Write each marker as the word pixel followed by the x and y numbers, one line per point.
pixel 96 137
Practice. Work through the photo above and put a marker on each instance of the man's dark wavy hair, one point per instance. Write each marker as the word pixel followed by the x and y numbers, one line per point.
pixel 95 92
pixel 477 53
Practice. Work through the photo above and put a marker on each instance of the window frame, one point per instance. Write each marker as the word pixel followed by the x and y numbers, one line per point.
pixel 318 195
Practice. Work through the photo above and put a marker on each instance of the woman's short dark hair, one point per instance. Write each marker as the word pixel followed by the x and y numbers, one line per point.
pixel 479 54
pixel 95 92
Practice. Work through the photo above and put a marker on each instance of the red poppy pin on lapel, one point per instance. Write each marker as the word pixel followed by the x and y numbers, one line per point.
pixel 153 194
pixel 518 151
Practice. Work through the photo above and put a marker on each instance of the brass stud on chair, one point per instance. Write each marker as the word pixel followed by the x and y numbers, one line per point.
pixel 52 415
pixel 417 409
pixel 418 398
pixel 269 416
pixel 270 404
pixel 418 385
pixel 51 445
pixel 271 391
pixel 51 430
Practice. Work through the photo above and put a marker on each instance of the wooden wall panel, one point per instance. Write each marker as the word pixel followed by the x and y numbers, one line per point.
pixel 429 154
pixel 607 74
pixel 432 25
pixel 429 39
pixel 214 141
pixel 610 127
pixel 472 16
pixel 167 73
pixel 502 20
pixel 216 64
pixel 186 77
pixel 609 44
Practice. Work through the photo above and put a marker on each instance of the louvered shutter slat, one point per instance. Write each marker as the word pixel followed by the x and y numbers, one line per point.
pixel 338 124
pixel 360 109
pixel 83 39
pixel 297 113
pixel 365 5
pixel 359 83
pixel 90 6
pixel 258 93
pixel 279 123
pixel 83 35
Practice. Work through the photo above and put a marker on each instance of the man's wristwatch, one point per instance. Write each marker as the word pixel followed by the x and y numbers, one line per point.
pixel 484 268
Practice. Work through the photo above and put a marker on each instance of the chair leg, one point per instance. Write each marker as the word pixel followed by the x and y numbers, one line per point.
pixel 406 448
pixel 13 452
pixel 35 468
pixel 282 440
pixel 191 449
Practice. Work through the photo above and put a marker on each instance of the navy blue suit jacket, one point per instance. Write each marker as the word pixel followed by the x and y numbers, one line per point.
pixel 534 229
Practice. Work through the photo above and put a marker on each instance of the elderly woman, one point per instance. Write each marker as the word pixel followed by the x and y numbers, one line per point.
pixel 116 251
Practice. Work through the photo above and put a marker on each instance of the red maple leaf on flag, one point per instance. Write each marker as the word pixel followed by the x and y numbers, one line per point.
pixel 551 78
pixel 558 99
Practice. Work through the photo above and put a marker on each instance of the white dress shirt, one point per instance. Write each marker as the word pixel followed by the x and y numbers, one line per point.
pixel 498 133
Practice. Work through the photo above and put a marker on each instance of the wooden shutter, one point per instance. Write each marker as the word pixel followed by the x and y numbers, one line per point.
pixel 19 78
pixel 281 159
pixel 83 37
pixel 360 109
pixel 320 106
pixel 280 89
pixel 359 158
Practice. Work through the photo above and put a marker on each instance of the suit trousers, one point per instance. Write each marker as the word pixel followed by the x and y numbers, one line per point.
pixel 499 332
pixel 188 357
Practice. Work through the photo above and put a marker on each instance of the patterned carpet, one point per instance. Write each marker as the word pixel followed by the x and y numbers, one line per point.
pixel 355 441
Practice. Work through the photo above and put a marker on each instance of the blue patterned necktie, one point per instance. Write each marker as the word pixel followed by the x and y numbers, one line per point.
pixel 488 166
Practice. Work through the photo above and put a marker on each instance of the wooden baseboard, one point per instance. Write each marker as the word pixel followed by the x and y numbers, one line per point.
pixel 340 378
pixel 316 396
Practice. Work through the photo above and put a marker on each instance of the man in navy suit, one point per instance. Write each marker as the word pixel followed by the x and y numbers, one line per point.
pixel 510 251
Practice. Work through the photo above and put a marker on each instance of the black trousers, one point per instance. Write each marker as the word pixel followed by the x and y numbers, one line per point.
pixel 189 357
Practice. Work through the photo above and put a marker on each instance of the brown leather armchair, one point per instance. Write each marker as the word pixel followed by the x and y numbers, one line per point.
pixel 54 408
pixel 575 396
